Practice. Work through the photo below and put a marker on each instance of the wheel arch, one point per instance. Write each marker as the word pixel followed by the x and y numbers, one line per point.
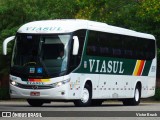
pixel 139 83
pixel 88 82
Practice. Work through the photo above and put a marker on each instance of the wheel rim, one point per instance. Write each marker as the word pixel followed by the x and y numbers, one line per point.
pixel 137 95
pixel 85 96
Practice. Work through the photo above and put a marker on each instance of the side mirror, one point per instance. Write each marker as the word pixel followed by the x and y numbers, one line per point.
pixel 75 45
pixel 5 43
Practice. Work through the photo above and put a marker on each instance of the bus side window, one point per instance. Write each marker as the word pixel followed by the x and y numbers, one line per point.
pixel 92 45
pixel 120 46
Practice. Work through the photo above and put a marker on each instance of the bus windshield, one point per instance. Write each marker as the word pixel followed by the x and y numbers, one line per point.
pixel 40 55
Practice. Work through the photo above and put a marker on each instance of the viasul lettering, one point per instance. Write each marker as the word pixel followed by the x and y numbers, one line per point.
pixel 43 29
pixel 102 66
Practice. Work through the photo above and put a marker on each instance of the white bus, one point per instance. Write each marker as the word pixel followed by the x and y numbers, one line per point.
pixel 82 61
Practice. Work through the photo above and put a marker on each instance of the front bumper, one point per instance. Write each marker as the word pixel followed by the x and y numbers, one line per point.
pixel 60 92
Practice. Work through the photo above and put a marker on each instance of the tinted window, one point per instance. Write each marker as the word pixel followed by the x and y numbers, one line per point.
pixel 115 45
pixel 93 47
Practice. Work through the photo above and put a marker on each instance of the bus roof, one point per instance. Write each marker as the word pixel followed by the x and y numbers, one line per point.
pixel 70 25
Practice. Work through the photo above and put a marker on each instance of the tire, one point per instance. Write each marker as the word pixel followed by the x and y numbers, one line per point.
pixel 35 102
pixel 136 100
pixel 86 97
pixel 97 102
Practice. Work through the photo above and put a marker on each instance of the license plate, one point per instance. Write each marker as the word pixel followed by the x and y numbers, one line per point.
pixel 34 93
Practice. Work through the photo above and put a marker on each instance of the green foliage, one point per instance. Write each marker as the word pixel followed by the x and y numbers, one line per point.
pixel 149 10
pixel 4 93
pixel 103 10
pixel 158 53
pixel 157 94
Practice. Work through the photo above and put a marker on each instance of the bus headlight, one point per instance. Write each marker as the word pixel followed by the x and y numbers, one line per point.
pixel 57 84
pixel 14 83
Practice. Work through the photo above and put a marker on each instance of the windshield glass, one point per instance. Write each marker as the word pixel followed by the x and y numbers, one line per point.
pixel 41 54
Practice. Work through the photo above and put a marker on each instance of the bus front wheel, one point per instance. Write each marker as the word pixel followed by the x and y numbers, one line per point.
pixel 136 100
pixel 85 98
pixel 35 102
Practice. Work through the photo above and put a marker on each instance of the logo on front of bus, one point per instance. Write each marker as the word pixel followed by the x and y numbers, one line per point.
pixel 35 83
pixel 102 66
pixel 43 29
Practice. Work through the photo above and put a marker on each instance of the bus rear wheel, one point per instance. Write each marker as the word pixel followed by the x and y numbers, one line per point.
pixel 85 98
pixel 35 102
pixel 136 100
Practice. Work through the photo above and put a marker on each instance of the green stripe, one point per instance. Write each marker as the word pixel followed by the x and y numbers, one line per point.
pixel 147 68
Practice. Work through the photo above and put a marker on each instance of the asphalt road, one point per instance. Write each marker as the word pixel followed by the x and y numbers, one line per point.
pixel 67 111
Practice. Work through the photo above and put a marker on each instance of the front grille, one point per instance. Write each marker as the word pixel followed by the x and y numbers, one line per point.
pixel 34 86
